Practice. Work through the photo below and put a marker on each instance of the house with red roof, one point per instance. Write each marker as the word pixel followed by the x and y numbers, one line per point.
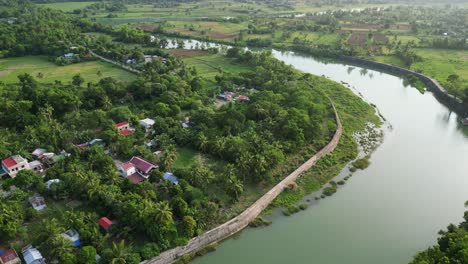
pixel 136 170
pixel 14 164
pixel 105 223
pixel 124 128
pixel 10 257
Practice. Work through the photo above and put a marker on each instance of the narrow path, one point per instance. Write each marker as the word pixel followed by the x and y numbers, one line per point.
pixel 241 221
pixel 115 63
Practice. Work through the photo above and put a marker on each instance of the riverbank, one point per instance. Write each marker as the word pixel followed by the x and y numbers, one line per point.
pixel 433 85
pixel 241 221
pixel 397 190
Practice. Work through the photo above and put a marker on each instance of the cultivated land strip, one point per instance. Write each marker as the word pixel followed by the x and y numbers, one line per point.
pixel 242 220
pixel 115 63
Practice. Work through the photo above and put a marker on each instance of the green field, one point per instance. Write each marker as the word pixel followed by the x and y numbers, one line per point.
pixel 211 65
pixel 67 6
pixel 12 67
pixel 441 63
pixel 185 158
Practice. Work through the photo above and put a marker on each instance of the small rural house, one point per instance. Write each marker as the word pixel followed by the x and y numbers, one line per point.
pixel 37 202
pixel 14 164
pixel 32 256
pixel 36 166
pixel 226 96
pixel 186 123
pixel 137 169
pixel 73 236
pixel 171 177
pixel 37 153
pixel 94 142
pixel 105 223
pixel 9 257
pixel 51 182
pixel 69 56
pixel 124 128
pixel 147 123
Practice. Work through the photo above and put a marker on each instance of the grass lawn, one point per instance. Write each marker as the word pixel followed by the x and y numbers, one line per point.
pixel 186 157
pixel 441 63
pixel 67 6
pixel 389 60
pixel 215 30
pixel 10 68
pixel 211 65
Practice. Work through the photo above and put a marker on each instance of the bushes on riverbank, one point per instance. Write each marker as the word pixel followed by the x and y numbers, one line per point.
pixel 360 164
pixel 259 221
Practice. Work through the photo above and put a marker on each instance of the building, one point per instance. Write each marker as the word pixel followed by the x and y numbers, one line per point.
pixel 69 56
pixel 37 202
pixel 124 128
pixel 243 98
pixel 128 170
pixel 36 166
pixel 105 223
pixel 32 255
pixel 10 257
pixel 171 177
pixel 136 170
pixel 37 153
pixel 147 123
pixel 14 164
pixel 186 123
pixel 226 96
pixel 73 236
pixel 143 166
pixel 51 182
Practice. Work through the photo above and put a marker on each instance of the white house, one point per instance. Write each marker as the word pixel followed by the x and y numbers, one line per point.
pixel 32 255
pixel 147 123
pixel 51 182
pixel 14 164
pixel 37 202
pixel 73 236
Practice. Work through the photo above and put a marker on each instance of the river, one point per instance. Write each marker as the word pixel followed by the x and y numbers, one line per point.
pixel 416 185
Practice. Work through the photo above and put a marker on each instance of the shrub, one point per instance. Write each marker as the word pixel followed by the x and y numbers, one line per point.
pixel 292 209
pixel 259 221
pixel 361 163
pixel 342 182
pixel 329 191
pixel 303 206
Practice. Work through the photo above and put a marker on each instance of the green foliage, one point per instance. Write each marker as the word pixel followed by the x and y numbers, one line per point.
pixel 259 221
pixel 451 246
pixel 149 250
pixel 329 191
pixel 292 209
pixel 361 163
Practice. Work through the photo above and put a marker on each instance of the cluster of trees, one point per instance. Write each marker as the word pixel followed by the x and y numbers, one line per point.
pixel 451 246
pixel 37 31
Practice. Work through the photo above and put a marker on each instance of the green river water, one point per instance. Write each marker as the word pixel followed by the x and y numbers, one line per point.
pixel 417 184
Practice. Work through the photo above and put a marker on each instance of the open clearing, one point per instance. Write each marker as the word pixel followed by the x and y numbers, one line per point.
pixel 12 67
pixel 211 65
pixel 67 6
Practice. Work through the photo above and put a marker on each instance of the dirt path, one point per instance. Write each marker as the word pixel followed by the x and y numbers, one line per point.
pixel 241 221
pixel 115 63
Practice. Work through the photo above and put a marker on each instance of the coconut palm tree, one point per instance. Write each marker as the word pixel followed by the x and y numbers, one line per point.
pixel 119 253
pixel 163 214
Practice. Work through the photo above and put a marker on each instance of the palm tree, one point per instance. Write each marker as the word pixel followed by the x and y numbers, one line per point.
pixel 119 253
pixel 170 155
pixel 163 214
pixel 202 142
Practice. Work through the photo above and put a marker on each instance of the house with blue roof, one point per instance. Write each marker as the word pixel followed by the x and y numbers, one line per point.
pixel 171 177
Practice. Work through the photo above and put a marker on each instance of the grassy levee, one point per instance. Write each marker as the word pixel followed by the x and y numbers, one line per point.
pixel 36 66
pixel 354 114
pixel 436 63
